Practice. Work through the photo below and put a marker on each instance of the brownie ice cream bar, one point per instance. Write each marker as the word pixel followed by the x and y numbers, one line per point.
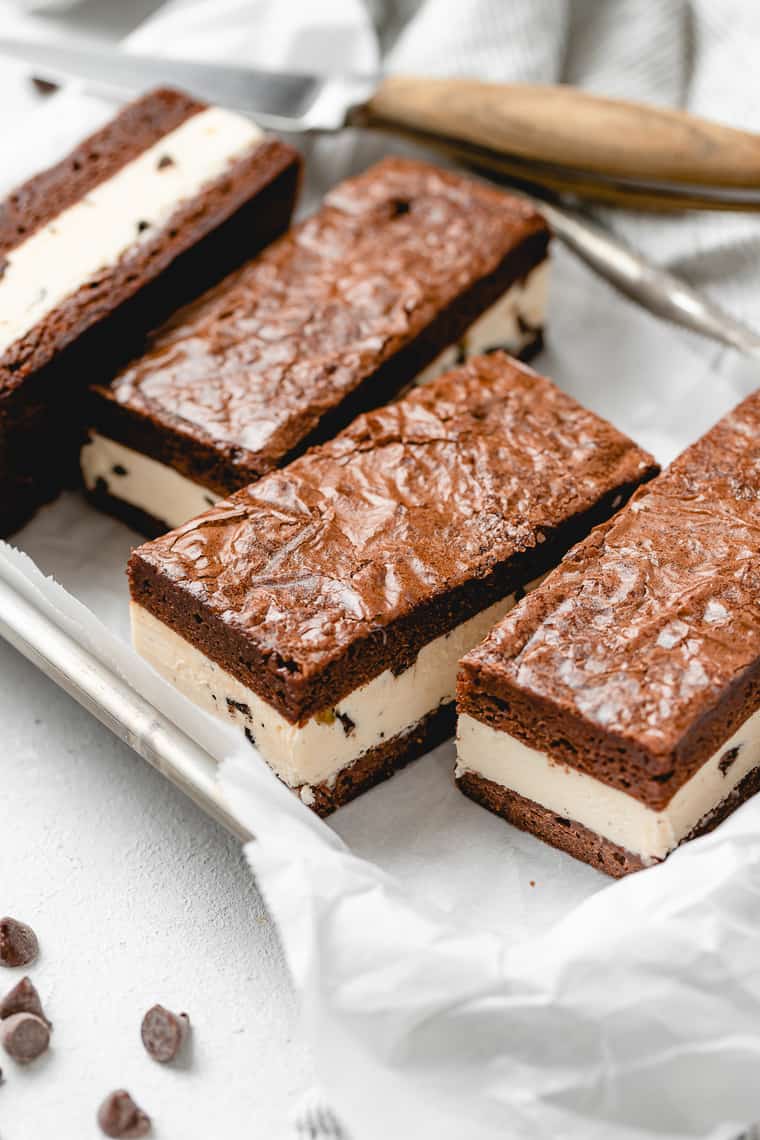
pixel 326 606
pixel 404 271
pixel 143 215
pixel 616 713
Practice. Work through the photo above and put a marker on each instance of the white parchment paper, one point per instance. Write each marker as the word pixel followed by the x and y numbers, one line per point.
pixel 460 979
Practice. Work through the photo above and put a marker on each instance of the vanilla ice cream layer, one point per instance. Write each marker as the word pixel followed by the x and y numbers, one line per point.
pixel 142 482
pixel 609 812
pixel 511 323
pixel 125 210
pixel 314 753
pixel 164 494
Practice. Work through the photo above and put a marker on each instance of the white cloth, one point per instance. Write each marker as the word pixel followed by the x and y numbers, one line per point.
pixel 443 995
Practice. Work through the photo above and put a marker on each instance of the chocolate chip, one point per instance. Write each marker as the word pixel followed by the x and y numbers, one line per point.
pixel 142 226
pixel 345 720
pixel 238 706
pixel 4 263
pixel 164 161
pixel 727 759
pixel 163 1032
pixel 44 86
pixel 119 469
pixel 24 1037
pixel 18 943
pixel 23 998
pixel 120 1117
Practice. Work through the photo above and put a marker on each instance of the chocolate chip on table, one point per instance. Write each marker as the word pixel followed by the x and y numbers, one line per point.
pixel 164 1033
pixel 44 86
pixel 18 943
pixel 23 998
pixel 120 1117
pixel 24 1036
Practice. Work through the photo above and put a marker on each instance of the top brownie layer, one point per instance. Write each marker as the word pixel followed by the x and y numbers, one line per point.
pixel 640 654
pixel 310 582
pixel 332 319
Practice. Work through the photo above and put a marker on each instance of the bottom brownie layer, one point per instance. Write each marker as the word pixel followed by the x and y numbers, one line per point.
pixel 580 841
pixel 133 517
pixel 565 834
pixel 381 762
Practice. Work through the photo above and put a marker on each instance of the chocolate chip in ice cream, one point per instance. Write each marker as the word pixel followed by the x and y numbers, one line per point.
pixel 24 1036
pixel 120 1117
pixel 23 998
pixel 18 943
pixel 164 1033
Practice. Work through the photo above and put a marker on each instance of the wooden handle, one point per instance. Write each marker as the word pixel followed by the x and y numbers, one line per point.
pixel 571 128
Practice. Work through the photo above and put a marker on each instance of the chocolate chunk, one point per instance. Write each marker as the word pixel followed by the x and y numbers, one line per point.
pixel 142 226
pixel 120 1117
pixel 23 998
pixel 18 943
pixel 164 161
pixel 24 1037
pixel 163 1032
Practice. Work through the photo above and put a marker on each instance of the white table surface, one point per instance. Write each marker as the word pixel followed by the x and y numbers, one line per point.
pixel 136 898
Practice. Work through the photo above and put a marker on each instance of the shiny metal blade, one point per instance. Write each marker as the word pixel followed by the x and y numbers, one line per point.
pixel 654 288
pixel 278 100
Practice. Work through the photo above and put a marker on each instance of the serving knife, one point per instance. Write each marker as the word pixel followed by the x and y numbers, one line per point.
pixel 545 140
pixel 563 138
